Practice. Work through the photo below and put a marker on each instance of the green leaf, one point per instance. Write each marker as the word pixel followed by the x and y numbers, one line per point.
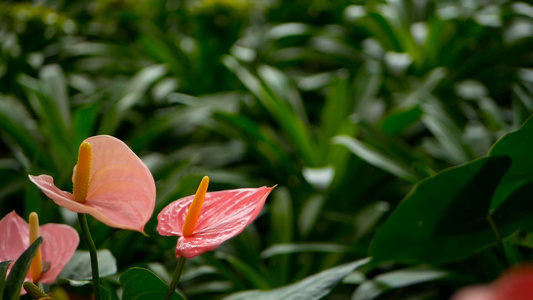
pixel 370 289
pixel 54 84
pixel 13 116
pixel 441 212
pixel 516 212
pixel 131 96
pixel 376 158
pixel 289 248
pixel 311 288
pixel 252 274
pixel 282 231
pixel 337 108
pixel 401 119
pixel 143 284
pixel 79 266
pixel 3 270
pixel 85 287
pixel 84 121
pixel 20 270
pixel 518 145
pixel 291 124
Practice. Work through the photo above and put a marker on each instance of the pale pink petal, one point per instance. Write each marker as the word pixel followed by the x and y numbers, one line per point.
pixel 478 292
pixel 14 238
pixel 224 215
pixel 59 244
pixel 98 208
pixel 121 188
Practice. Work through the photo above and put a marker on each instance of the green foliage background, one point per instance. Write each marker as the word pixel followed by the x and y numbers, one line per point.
pixel 345 105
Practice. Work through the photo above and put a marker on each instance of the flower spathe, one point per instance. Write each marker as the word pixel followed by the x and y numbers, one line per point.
pixel 59 244
pixel 120 190
pixel 515 284
pixel 223 215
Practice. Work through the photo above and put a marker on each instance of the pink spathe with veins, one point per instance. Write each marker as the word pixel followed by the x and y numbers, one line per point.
pixel 121 191
pixel 224 215
pixel 59 244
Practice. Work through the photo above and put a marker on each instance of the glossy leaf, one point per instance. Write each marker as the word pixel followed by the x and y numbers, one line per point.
pixel 518 146
pixel 312 288
pixel 516 212
pixel 143 284
pixel 443 211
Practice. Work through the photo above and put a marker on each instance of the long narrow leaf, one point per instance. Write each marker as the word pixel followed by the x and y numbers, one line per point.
pixel 20 269
pixel 3 270
pixel 311 288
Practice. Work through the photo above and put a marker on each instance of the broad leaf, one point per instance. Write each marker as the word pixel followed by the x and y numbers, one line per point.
pixel 143 284
pixel 20 269
pixel 441 212
pixel 311 288
pixel 516 212
pixel 518 145
pixel 79 266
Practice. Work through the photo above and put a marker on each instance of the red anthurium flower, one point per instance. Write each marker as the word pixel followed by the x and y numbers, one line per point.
pixel 517 284
pixel 59 244
pixel 202 228
pixel 111 184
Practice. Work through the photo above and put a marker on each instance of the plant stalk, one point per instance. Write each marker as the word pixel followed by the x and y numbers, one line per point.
pixel 499 242
pixel 92 251
pixel 176 278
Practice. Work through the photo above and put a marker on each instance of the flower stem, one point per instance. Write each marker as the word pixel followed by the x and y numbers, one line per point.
pixel 92 251
pixel 500 246
pixel 176 278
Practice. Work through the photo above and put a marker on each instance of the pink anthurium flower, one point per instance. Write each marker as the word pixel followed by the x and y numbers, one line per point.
pixel 111 184
pixel 515 284
pixel 202 228
pixel 59 244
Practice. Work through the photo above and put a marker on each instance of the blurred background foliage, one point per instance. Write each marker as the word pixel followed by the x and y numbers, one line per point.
pixel 345 105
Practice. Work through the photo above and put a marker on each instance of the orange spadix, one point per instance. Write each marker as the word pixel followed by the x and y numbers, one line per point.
pixel 36 267
pixel 196 206
pixel 83 173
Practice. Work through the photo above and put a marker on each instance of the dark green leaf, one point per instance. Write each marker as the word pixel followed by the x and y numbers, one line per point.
pixel 443 211
pixel 516 212
pixel 85 287
pixel 400 120
pixel 3 271
pixel 143 284
pixel 20 270
pixel 518 145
